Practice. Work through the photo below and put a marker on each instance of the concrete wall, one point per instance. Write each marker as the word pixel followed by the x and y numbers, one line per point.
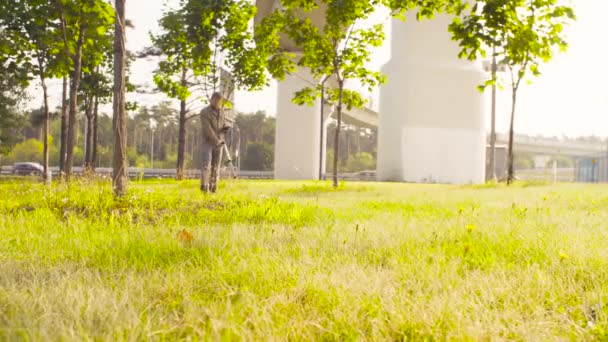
pixel 500 158
pixel 297 133
pixel 431 113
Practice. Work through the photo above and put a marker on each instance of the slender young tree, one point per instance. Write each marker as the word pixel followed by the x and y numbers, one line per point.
pixel 120 176
pixel 338 49
pixel 96 86
pixel 83 24
pixel 12 93
pixel 64 126
pixel 522 34
pixel 490 34
pixel 37 42
pixel 172 76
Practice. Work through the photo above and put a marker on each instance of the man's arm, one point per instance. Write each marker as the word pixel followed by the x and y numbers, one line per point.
pixel 208 130
pixel 228 122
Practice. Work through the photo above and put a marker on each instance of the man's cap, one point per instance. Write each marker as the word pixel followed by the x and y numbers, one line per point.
pixel 217 95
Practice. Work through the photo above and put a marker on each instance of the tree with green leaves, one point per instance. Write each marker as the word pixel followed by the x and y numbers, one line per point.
pixel 492 34
pixel 12 91
pixel 425 9
pixel 175 72
pixel 521 34
pixel 255 141
pixel 255 127
pixel 337 51
pixel 82 24
pixel 31 28
pixel 207 47
pixel 259 156
pixel 95 89
pixel 63 140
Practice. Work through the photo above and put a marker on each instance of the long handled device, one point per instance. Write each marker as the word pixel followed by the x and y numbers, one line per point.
pixel 229 161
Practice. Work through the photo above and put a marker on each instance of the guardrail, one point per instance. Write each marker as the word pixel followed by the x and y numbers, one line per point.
pixel 154 173
pixel 567 174
pixel 139 173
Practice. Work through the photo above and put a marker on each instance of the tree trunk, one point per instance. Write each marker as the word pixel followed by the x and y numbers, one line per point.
pixel 95 134
pixel 322 133
pixel 87 119
pixel 47 171
pixel 492 166
pixel 120 176
pixel 337 135
pixel 64 126
pixel 181 139
pixel 511 172
pixel 64 103
pixel 181 144
pixel 88 154
pixel 74 85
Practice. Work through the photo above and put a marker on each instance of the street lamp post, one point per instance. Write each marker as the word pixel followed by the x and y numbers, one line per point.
pixel 237 149
pixel 493 123
pixel 321 149
pixel 494 68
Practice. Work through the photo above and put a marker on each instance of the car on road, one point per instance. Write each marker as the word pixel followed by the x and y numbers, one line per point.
pixel 28 169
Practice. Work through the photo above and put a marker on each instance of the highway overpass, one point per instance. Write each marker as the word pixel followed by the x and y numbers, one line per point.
pixel 431 127
pixel 551 147
pixel 369 118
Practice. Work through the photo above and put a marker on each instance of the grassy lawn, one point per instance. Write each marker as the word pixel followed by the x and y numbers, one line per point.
pixel 270 260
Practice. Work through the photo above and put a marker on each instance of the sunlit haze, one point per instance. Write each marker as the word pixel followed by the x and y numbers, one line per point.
pixel 569 98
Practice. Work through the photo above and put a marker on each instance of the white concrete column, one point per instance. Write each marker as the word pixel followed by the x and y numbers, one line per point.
pixel 298 131
pixel 431 113
pixel 328 113
pixel 541 161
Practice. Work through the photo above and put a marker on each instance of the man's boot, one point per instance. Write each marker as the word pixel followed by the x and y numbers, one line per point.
pixel 213 183
pixel 205 180
pixel 214 179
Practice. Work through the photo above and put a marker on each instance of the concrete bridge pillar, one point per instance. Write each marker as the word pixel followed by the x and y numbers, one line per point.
pixel 328 112
pixel 298 131
pixel 540 161
pixel 431 113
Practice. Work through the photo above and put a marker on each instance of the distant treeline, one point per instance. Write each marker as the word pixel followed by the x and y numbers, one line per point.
pixel 153 138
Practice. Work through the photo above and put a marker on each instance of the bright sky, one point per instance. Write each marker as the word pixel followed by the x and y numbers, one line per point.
pixel 569 98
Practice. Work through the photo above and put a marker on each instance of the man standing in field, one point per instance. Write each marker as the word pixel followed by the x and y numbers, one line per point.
pixel 214 126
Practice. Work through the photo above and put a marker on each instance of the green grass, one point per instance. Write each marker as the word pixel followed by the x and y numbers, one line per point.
pixel 298 261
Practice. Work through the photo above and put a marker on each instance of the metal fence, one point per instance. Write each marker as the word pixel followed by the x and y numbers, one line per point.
pixel 565 174
pixel 587 170
pixel 137 173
